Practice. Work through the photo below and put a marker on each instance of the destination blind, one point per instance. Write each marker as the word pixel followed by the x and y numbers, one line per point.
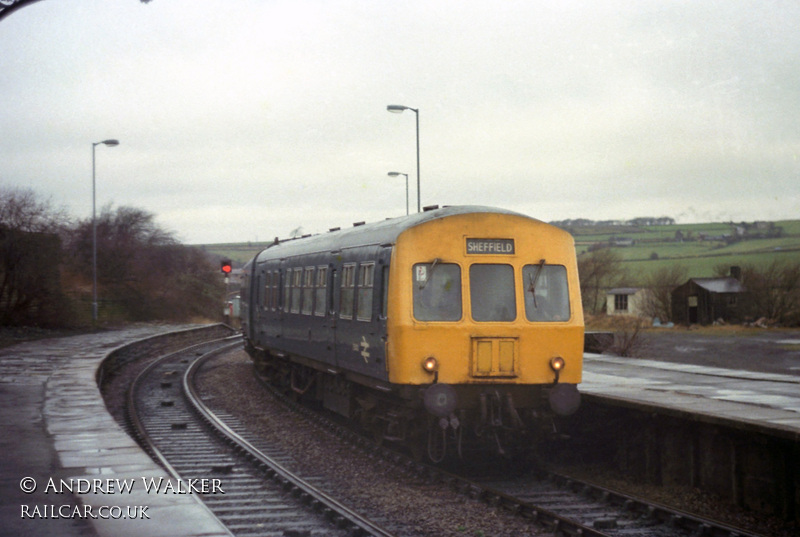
pixel 490 246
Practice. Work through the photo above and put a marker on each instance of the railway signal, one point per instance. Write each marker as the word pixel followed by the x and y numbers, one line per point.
pixel 225 267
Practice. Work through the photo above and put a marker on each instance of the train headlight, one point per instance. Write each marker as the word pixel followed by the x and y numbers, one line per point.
pixel 430 364
pixel 557 363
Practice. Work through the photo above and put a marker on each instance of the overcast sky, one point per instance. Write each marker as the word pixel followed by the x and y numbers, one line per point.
pixel 242 120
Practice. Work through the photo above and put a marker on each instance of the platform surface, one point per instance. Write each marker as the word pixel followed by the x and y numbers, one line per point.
pixel 55 433
pixel 762 401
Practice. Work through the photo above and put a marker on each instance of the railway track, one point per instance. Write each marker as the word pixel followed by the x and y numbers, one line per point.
pixel 560 504
pixel 610 513
pixel 246 487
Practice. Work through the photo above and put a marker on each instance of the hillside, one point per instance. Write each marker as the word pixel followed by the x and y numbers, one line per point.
pixel 698 247
pixel 645 248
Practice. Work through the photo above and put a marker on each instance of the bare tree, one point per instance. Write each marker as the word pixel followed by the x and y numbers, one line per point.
pixel 143 272
pixel 774 292
pixel 21 209
pixel 598 271
pixel 30 252
pixel 659 285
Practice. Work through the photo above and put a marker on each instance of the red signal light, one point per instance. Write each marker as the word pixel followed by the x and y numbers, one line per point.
pixel 225 267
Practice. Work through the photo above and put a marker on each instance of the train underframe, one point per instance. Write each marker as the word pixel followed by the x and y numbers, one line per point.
pixel 436 421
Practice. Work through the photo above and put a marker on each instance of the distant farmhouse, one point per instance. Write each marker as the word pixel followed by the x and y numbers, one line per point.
pixel 626 301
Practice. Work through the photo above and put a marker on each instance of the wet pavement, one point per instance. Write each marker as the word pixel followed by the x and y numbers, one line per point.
pixel 64 456
pixel 768 351
pixel 749 378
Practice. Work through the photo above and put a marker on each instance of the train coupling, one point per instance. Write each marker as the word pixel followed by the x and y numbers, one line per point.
pixel 449 421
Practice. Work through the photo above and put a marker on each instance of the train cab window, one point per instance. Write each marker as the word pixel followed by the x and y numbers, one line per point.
pixel 320 293
pixel 491 292
pixel 366 278
pixel 347 292
pixel 546 293
pixel 308 290
pixel 437 291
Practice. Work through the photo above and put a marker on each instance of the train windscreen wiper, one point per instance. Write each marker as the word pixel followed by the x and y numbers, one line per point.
pixel 533 279
pixel 424 282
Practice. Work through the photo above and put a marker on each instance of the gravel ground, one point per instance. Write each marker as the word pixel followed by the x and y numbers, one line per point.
pixel 364 484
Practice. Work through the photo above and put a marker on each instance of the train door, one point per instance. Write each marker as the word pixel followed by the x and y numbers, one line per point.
pixel 360 327
pixel 322 324
pixel 332 315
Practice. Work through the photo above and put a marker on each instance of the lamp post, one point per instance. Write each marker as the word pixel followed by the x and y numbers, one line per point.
pixel 399 109
pixel 395 174
pixel 110 143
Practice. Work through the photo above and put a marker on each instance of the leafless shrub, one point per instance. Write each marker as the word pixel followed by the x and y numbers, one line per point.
pixel 629 338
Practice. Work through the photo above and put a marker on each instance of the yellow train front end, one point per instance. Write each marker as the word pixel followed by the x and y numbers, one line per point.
pixel 484 308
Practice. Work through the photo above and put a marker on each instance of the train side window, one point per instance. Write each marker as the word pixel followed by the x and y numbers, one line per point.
pixel 287 290
pixel 267 289
pixel 492 293
pixel 437 291
pixel 347 292
pixel 297 283
pixel 275 291
pixel 546 293
pixel 366 279
pixel 320 305
pixel 308 290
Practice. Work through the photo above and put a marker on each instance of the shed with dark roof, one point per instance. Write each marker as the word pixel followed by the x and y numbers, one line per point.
pixel 705 300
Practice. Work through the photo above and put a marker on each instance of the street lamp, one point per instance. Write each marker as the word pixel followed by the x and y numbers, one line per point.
pixel 395 174
pixel 109 143
pixel 399 109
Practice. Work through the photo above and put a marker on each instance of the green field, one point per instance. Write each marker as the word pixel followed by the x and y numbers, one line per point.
pixel 701 251
pixel 704 246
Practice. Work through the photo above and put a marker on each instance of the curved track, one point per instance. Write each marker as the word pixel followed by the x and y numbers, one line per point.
pixel 247 489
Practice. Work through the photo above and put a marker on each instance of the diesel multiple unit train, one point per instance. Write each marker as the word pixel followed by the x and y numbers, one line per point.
pixel 439 330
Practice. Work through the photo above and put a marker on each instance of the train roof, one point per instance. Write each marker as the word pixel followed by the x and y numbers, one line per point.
pixel 384 232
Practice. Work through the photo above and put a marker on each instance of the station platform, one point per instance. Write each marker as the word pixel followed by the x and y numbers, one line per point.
pixel 758 401
pixel 57 434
